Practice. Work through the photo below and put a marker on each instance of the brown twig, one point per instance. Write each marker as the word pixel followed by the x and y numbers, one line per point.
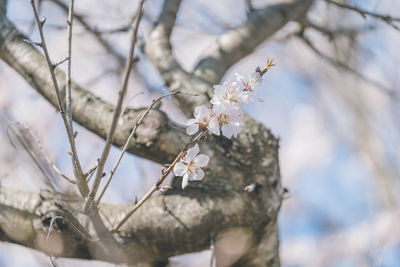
pixel 388 91
pixel 27 139
pixel 160 180
pixel 364 13
pixel 104 43
pixel 331 34
pixel 68 110
pixel 117 111
pixel 81 181
pixel 138 122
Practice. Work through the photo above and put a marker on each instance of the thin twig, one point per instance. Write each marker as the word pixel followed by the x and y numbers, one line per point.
pixel 333 33
pixel 132 134
pixel 386 18
pixel 123 28
pixel 81 181
pixel 160 180
pixel 60 62
pixel 117 111
pixel 68 110
pixel 27 139
pixel 390 92
pixel 103 42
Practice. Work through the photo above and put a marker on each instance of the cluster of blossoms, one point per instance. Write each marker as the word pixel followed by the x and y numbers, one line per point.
pixel 225 116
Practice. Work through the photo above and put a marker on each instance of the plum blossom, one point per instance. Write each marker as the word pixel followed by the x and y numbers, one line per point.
pixel 229 118
pixel 225 116
pixel 254 80
pixel 228 93
pixel 204 118
pixel 190 166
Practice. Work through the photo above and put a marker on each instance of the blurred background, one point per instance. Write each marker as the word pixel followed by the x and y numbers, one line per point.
pixel 333 99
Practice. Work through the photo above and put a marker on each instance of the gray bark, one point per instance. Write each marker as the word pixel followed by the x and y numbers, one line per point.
pixel 217 209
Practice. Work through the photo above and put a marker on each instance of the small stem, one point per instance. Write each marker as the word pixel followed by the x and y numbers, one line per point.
pixel 68 69
pixel 81 181
pixel 155 101
pixel 160 180
pixel 117 111
pixel 386 18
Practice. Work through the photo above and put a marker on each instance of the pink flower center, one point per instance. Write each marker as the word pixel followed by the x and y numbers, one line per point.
pixel 191 167
pixel 247 87
pixel 203 123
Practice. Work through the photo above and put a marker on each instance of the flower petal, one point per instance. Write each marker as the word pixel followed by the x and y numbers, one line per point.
pixel 185 181
pixel 201 160
pixel 190 122
pixel 197 176
pixel 179 169
pixel 246 98
pixel 213 126
pixel 191 153
pixel 239 78
pixel 235 115
pixel 200 112
pixel 230 130
pixel 192 129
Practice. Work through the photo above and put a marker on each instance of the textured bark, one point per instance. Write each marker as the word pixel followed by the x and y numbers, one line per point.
pixel 240 42
pixel 216 210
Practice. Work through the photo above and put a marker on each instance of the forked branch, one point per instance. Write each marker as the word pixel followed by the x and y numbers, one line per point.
pixel 81 181
pixel 128 141
pixel 117 111
pixel 364 13
pixel 160 180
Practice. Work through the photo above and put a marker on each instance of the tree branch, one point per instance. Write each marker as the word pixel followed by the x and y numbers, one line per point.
pixel 118 108
pixel 364 13
pixel 388 91
pixel 156 138
pixel 68 68
pixel 81 180
pixel 128 141
pixel 159 51
pixel 103 42
pixel 163 228
pixel 238 43
pixel 3 8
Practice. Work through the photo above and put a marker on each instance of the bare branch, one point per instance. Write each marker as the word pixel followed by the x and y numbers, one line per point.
pixel 3 8
pixel 390 92
pixel 55 65
pixel 162 228
pixel 157 139
pixel 239 42
pixel 128 141
pixel 364 13
pixel 160 180
pixel 117 111
pixel 158 47
pixel 68 110
pixel 249 6
pixel 20 135
pixel 81 181
pixel 104 43
pixel 331 34
pixel 159 51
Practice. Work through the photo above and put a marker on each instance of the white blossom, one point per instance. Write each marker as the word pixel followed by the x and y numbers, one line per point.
pixel 228 93
pixel 204 118
pixel 248 90
pixel 230 119
pixel 190 166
